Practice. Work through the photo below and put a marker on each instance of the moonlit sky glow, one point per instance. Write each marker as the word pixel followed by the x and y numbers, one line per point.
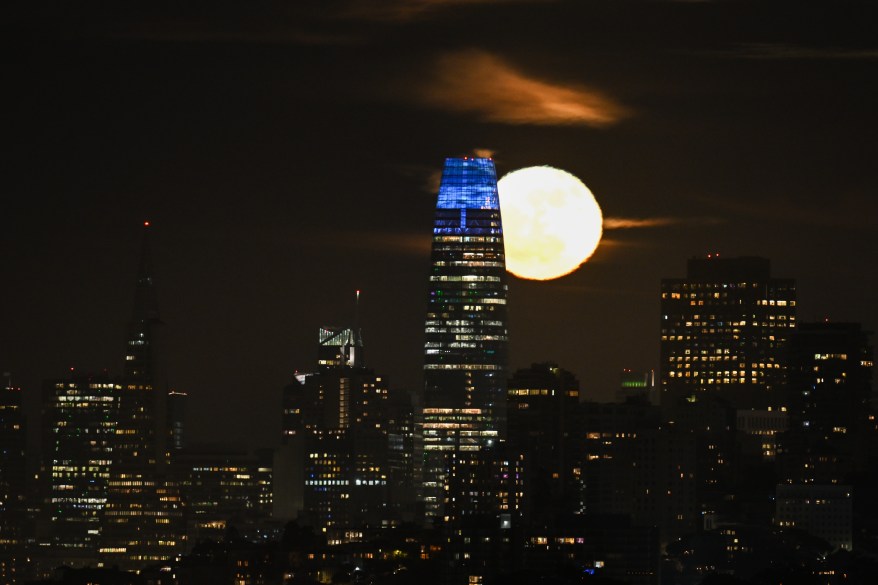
pixel 287 154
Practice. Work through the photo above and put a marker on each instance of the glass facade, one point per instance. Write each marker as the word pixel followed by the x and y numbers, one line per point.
pixel 13 481
pixel 80 427
pixel 465 329
pixel 352 437
pixel 143 516
pixel 340 346
pixel 724 330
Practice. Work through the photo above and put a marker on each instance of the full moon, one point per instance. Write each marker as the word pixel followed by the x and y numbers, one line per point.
pixel 551 222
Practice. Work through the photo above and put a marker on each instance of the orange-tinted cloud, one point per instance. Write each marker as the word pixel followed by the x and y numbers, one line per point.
pixel 616 223
pixel 481 83
pixel 484 152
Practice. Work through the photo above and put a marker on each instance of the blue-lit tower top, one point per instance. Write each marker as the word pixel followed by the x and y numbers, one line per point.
pixel 465 331
pixel 468 183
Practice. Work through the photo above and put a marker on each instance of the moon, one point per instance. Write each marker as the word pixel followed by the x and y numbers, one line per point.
pixel 552 223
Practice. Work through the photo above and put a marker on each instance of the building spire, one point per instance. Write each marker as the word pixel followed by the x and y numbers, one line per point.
pixel 139 355
pixel 146 306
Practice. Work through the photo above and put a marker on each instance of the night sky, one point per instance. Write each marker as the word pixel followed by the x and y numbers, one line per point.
pixel 287 154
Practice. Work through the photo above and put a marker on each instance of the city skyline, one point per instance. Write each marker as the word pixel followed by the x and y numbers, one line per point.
pixel 287 162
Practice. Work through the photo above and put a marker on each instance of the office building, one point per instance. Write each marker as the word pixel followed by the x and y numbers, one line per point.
pixel 830 378
pixel 543 424
pixel 832 430
pixel 464 402
pixel 177 419
pixel 348 441
pixel 223 489
pixel 824 511
pixel 340 346
pixel 608 547
pixel 636 467
pixel 724 330
pixel 12 481
pixel 143 516
pixel 79 431
pixel 637 385
pixel 759 432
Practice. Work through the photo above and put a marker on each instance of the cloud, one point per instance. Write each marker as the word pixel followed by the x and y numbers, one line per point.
pixel 481 83
pixel 433 182
pixel 615 223
pixel 484 152
pixel 782 51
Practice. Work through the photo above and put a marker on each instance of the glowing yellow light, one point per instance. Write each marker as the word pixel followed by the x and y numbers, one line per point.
pixel 551 222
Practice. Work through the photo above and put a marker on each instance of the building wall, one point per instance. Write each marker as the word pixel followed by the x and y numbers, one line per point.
pixel 724 330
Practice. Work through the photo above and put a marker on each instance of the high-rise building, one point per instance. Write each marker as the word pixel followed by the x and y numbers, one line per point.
pixel 830 378
pixel 345 442
pixel 636 384
pixel 143 517
pixel 824 511
pixel 724 329
pixel 340 346
pixel 634 466
pixel 222 489
pixel 399 420
pixel 465 330
pixel 177 419
pixel 830 407
pixel 12 481
pixel 543 419
pixel 79 432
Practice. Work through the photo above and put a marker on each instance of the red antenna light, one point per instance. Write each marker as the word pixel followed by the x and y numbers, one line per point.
pixel 146 224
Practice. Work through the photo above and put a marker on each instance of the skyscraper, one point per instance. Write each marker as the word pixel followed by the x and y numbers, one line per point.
pixel 544 425
pixel 177 418
pixel 830 378
pixel 345 435
pixel 724 330
pixel 340 346
pixel 465 329
pixel 831 415
pixel 79 431
pixel 143 517
pixel 637 384
pixel 12 480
